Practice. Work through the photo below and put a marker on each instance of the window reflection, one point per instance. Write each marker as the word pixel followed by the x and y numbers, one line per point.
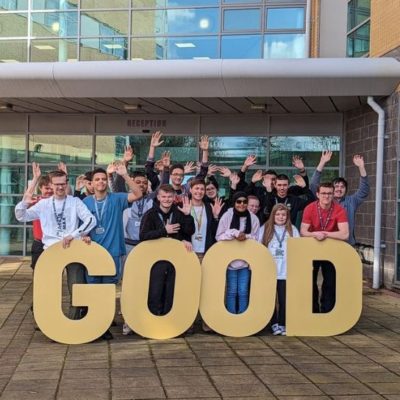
pixel 54 50
pixel 12 148
pixel 148 49
pixel 54 4
pixel 110 23
pixel 105 4
pixel 12 179
pixel 358 41
pixel 238 20
pixel 14 25
pixel 103 49
pixel 284 46
pixel 193 21
pixel 173 3
pixel 13 5
pixel 149 22
pixel 11 239
pixel 13 51
pixel 241 46
pixel 285 18
pixel 192 47
pixel 54 24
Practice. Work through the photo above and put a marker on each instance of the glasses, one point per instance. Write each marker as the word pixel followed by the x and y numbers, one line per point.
pixel 241 201
pixel 326 193
pixel 180 175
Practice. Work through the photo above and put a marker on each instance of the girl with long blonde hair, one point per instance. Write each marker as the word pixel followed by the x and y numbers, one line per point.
pixel 274 235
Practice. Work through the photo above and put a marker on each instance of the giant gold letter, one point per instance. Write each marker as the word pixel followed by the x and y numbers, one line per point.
pixel 135 287
pixel 262 288
pixel 47 293
pixel 300 320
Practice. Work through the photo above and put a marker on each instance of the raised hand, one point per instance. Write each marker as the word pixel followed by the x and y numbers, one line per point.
pixel 216 207
pixel 257 176
pixel 299 181
pixel 129 153
pixel 172 228
pixel 297 162
pixel 326 157
pixel 212 169
pixel 166 159
pixel 225 172
pixel 235 179
pixel 80 182
pixel 63 167
pixel 268 183
pixel 111 168
pixel 156 139
pixel 204 143
pixel 121 170
pixel 249 161
pixel 28 197
pixel 159 166
pixel 189 167
pixel 36 171
pixel 186 205
pixel 358 161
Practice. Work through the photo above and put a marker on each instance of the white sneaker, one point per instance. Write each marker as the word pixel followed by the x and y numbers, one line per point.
pixel 283 330
pixel 276 329
pixel 126 330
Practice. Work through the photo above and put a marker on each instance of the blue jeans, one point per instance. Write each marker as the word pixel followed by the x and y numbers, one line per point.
pixel 107 279
pixel 237 290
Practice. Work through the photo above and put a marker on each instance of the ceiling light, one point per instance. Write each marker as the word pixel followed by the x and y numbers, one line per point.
pixel 6 106
pixel 113 46
pixel 204 23
pixel 132 106
pixel 258 106
pixel 44 47
pixel 9 61
pixel 185 45
pixel 55 26
pixel 137 59
pixel 201 58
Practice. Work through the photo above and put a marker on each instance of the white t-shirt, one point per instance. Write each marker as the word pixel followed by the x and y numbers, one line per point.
pixel 279 253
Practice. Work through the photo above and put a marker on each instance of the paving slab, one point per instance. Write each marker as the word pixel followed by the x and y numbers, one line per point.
pixel 362 364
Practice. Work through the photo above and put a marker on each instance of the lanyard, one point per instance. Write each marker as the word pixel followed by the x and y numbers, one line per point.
pixel 140 207
pixel 100 216
pixel 324 225
pixel 198 218
pixel 277 202
pixel 168 221
pixel 61 225
pixel 280 239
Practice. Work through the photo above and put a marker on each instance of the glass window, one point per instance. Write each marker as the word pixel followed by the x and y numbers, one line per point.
pixel 13 51
pixel 186 21
pixel 104 4
pixel 149 22
pixel 58 24
pixel 198 47
pixel 12 179
pixel 104 49
pixel 110 148
pixel 241 1
pixel 285 18
pixel 148 49
pixel 54 50
pixel 13 5
pixel 241 46
pixel 358 12
pixel 54 4
pixel 284 46
pixel 240 19
pixel 173 3
pixel 71 149
pixel 12 148
pixel 283 148
pixel 13 25
pixel 232 150
pixel 7 207
pixel 110 23
pixel 11 240
pixel 358 41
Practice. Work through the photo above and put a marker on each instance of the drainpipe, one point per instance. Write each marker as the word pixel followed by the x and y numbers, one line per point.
pixel 378 191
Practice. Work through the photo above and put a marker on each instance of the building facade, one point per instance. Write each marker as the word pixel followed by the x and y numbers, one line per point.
pixel 80 79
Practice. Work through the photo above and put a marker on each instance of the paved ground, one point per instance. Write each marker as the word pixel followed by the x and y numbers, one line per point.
pixel 362 364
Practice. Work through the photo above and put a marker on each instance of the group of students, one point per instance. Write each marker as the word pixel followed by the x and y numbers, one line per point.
pixel 119 210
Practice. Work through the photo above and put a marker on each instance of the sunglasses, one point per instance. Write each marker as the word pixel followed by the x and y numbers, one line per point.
pixel 241 201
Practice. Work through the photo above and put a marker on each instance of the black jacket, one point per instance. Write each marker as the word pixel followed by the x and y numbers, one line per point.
pixel 212 225
pixel 152 226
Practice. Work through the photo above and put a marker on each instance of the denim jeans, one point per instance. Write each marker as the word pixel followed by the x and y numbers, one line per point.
pixel 237 290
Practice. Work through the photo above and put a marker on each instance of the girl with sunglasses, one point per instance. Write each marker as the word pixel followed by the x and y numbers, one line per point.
pixel 238 224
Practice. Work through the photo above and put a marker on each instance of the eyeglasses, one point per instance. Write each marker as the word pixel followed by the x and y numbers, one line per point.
pixel 180 175
pixel 241 201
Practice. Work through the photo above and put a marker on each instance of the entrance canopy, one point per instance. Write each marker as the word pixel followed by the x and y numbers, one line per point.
pixel 196 86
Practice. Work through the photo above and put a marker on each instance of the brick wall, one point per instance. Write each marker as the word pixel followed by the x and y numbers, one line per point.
pixel 385 26
pixel 361 137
